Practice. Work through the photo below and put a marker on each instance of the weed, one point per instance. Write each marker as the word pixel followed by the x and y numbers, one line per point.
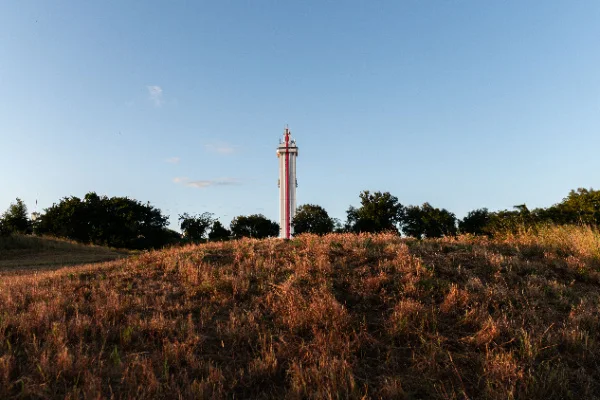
pixel 115 357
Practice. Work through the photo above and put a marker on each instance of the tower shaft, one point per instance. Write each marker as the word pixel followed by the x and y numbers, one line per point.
pixel 287 153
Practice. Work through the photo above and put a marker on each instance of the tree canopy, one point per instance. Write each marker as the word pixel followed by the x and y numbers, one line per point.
pixel 116 221
pixel 311 218
pixel 15 219
pixel 581 206
pixel 218 232
pixel 195 227
pixel 254 226
pixel 128 223
pixel 428 221
pixel 378 212
pixel 476 222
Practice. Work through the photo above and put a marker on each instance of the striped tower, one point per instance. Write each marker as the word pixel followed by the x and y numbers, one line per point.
pixel 287 153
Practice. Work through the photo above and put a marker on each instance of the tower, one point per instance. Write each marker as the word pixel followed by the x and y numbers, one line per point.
pixel 287 153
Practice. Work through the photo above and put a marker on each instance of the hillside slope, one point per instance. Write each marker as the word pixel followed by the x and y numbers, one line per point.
pixel 27 253
pixel 344 316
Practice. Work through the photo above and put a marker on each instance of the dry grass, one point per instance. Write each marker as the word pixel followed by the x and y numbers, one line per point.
pixel 25 254
pixel 344 316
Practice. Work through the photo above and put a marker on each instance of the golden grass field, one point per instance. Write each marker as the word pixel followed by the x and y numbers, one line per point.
pixel 340 316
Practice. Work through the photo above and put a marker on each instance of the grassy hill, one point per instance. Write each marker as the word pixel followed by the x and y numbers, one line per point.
pixel 343 316
pixel 26 253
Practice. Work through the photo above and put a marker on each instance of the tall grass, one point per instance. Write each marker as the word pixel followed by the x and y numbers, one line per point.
pixel 568 240
pixel 341 316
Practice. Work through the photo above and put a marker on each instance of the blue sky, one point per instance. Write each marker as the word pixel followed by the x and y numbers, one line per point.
pixel 464 104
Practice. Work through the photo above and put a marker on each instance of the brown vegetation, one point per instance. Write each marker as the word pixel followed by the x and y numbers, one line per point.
pixel 26 253
pixel 341 316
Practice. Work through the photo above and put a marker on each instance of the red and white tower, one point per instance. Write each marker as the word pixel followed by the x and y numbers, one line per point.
pixel 287 153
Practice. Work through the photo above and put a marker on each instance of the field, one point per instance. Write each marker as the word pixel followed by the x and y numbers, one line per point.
pixel 25 254
pixel 341 316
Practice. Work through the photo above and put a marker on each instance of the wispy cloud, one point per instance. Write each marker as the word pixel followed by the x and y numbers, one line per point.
pixel 156 95
pixel 221 148
pixel 173 160
pixel 201 184
pixel 214 182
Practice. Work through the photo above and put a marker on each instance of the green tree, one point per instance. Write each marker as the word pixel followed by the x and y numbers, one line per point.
pixel 195 227
pixel 428 221
pixel 476 222
pixel 15 218
pixel 338 226
pixel 513 220
pixel 255 226
pixel 67 219
pixel 218 232
pixel 581 206
pixel 116 221
pixel 311 218
pixel 3 231
pixel 35 222
pixel 378 212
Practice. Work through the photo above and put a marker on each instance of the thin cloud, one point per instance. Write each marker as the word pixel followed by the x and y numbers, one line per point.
pixel 216 182
pixel 173 160
pixel 221 148
pixel 156 95
pixel 201 184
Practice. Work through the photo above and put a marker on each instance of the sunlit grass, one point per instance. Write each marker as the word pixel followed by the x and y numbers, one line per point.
pixel 341 316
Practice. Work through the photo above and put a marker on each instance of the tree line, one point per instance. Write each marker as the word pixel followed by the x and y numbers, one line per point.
pixel 127 223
